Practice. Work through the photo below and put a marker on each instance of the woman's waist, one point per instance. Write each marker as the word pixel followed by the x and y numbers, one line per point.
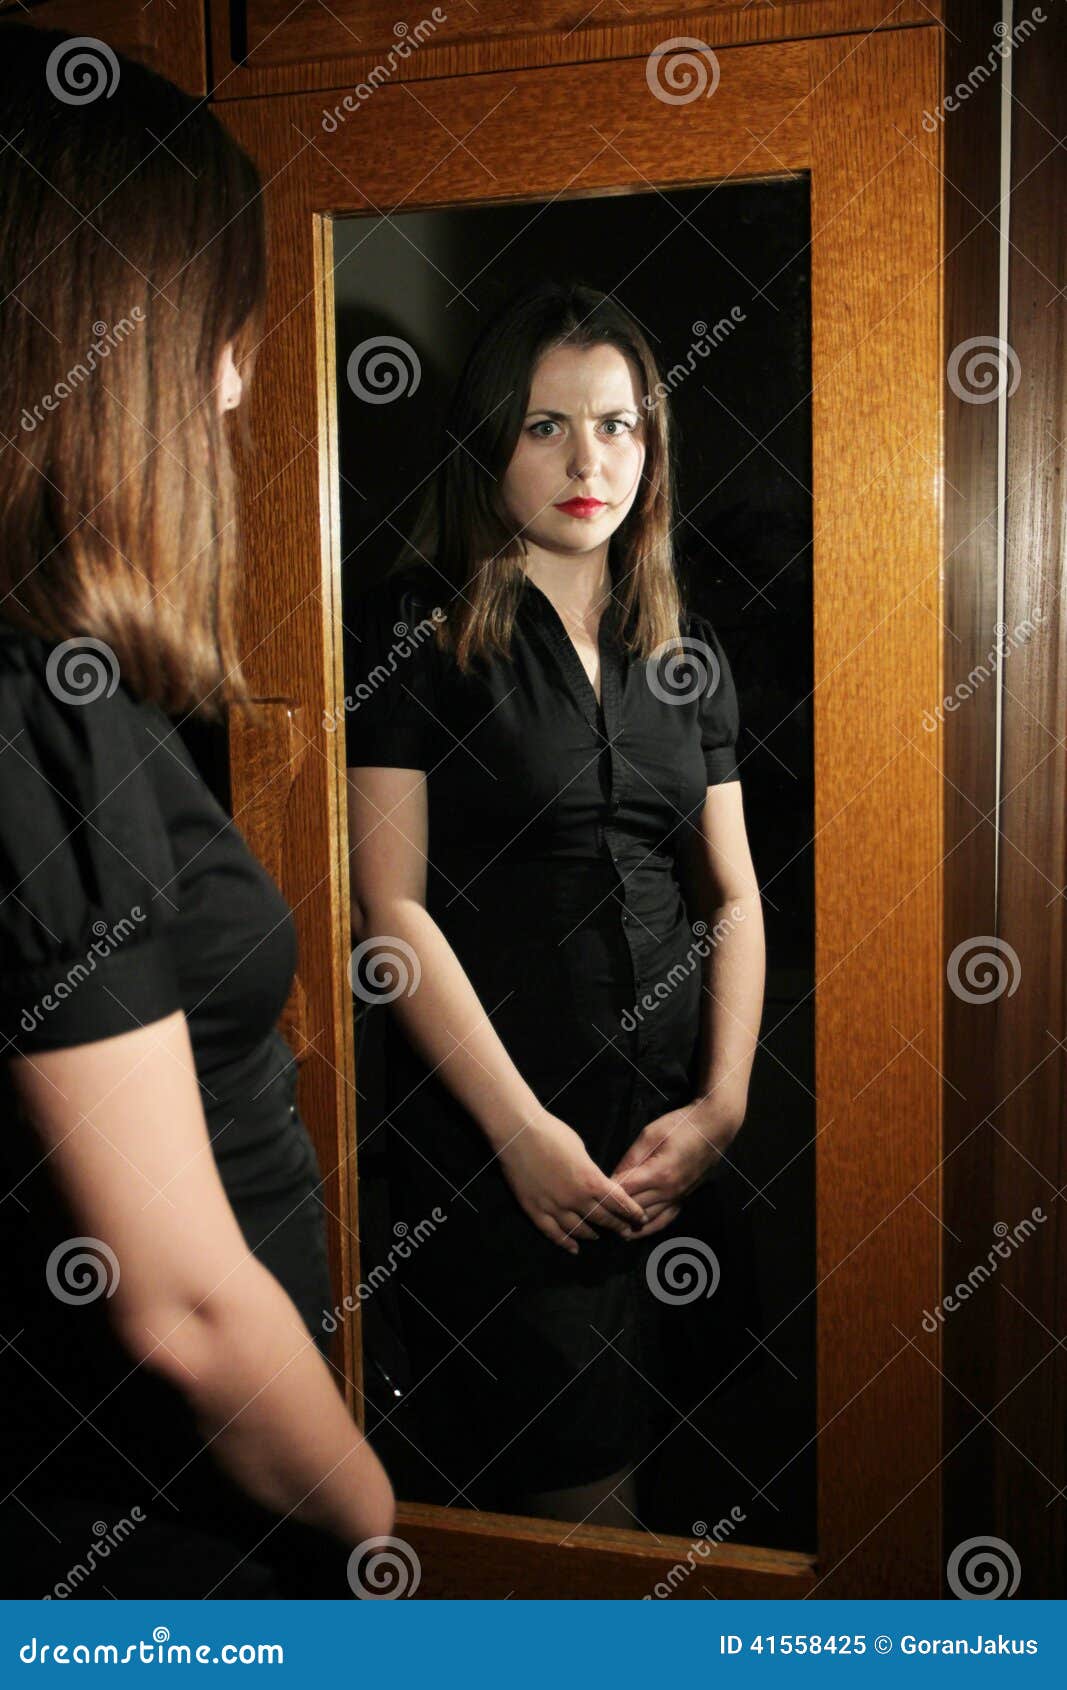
pixel 581 857
pixel 261 1073
pixel 557 893
pixel 259 1140
pixel 570 994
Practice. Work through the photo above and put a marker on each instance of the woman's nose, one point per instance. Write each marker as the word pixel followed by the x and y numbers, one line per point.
pixel 583 458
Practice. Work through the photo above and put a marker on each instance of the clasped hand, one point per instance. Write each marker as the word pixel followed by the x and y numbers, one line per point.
pixel 566 1195
pixel 671 1156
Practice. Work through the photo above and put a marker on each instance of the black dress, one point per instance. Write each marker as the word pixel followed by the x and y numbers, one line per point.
pixel 553 826
pixel 126 893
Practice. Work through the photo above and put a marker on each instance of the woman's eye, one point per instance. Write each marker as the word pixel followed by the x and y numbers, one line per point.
pixel 616 423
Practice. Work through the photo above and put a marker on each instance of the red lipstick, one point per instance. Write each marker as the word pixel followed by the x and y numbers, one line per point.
pixel 581 507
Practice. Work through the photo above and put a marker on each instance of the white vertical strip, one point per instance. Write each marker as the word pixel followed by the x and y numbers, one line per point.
pixel 1008 21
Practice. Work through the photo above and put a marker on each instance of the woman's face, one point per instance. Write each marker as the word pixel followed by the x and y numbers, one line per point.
pixel 582 437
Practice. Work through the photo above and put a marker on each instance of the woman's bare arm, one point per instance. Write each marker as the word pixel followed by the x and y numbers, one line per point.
pixel 388 833
pixel 718 881
pixel 123 1124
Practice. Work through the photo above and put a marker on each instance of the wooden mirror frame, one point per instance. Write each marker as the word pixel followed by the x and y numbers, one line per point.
pixel 847 110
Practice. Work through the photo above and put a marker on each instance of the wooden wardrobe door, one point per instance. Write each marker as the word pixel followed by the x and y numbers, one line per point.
pixel 848 110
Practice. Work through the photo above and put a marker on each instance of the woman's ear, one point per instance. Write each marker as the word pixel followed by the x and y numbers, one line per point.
pixel 228 384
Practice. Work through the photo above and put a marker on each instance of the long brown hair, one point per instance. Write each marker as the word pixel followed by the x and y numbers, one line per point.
pixel 463 528
pixel 132 248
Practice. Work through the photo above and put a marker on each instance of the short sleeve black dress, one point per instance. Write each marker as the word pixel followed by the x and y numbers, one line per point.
pixel 126 893
pixel 554 819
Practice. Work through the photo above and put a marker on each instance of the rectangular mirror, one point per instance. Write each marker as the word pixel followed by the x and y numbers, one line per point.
pixel 719 282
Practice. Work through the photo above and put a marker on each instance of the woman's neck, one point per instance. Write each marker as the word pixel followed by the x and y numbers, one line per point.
pixel 579 588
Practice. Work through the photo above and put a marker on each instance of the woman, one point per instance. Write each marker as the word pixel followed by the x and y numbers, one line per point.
pixel 171 1427
pixel 539 767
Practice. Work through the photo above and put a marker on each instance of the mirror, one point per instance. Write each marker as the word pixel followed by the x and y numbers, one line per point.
pixel 718 278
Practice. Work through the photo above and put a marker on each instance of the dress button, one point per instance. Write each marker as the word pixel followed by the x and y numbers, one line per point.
pixel 627 917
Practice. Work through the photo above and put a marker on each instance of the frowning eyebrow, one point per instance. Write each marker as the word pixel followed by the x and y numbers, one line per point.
pixel 562 416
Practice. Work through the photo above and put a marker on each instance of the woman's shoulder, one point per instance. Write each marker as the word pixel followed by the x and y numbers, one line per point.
pixel 85 856
pixel 394 620
pixel 409 586
pixel 23 661
pixel 75 741
pixel 50 677
pixel 702 642
pixel 696 625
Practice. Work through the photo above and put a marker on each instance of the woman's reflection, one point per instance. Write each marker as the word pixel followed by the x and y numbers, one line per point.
pixel 552 887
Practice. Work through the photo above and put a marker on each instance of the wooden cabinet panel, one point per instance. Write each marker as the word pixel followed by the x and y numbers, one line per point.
pixel 260 46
